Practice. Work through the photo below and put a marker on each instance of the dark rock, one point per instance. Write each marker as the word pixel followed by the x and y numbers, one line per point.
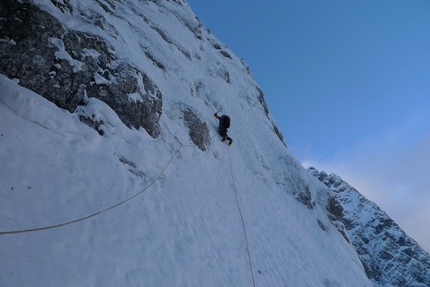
pixel 227 77
pixel 335 208
pixel 321 225
pixel 198 130
pixel 93 124
pixel 63 65
pixel 262 101
pixel 305 197
pixel 225 54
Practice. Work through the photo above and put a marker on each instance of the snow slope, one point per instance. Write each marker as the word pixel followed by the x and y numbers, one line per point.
pixel 127 209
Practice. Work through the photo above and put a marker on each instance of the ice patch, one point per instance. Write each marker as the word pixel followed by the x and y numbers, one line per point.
pixel 135 97
pixel 62 54
pixel 91 53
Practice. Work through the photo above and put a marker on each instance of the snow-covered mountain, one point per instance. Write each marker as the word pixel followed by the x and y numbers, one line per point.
pixel 113 173
pixel 390 257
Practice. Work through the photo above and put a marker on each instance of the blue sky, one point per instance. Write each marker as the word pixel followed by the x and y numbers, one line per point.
pixel 348 83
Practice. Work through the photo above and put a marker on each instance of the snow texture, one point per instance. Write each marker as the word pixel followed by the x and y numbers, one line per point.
pixel 130 209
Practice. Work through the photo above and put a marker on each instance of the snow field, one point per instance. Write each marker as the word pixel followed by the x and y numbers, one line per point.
pixel 184 230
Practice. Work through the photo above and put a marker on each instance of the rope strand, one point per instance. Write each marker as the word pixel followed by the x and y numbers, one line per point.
pixel 243 221
pixel 98 212
pixel 101 211
pixel 142 191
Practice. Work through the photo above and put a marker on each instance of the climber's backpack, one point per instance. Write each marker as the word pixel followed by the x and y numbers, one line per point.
pixel 225 120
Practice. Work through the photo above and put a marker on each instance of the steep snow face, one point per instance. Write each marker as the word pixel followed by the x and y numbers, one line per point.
pixel 92 196
pixel 390 257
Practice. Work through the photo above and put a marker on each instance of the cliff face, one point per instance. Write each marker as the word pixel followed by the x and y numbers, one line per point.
pixel 390 257
pixel 63 65
pixel 115 169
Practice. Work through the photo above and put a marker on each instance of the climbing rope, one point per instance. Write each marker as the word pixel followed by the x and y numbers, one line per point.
pixel 101 211
pixel 139 193
pixel 106 209
pixel 243 221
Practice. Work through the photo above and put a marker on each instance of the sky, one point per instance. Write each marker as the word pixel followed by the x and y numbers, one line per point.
pixel 348 83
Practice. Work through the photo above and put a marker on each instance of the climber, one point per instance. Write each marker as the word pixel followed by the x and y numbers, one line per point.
pixel 224 124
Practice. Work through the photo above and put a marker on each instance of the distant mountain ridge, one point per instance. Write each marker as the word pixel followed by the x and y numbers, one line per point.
pixel 389 256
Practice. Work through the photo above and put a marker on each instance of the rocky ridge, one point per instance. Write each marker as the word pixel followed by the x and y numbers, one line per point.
pixel 389 256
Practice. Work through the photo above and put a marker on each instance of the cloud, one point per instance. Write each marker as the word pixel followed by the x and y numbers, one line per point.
pixel 392 170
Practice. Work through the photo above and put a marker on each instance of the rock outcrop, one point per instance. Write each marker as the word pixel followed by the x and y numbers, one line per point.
pixel 389 256
pixel 65 65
